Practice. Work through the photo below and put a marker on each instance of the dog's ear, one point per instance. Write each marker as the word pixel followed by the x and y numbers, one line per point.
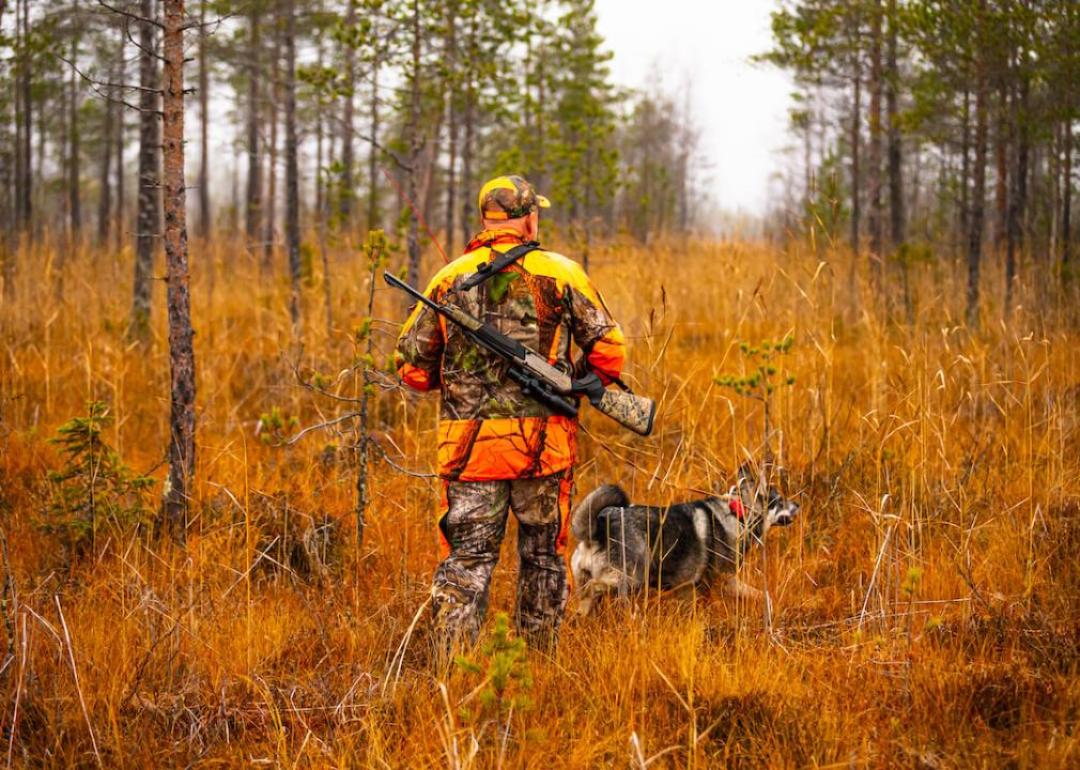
pixel 747 480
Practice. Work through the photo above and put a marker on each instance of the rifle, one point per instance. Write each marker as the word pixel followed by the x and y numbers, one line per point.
pixel 540 380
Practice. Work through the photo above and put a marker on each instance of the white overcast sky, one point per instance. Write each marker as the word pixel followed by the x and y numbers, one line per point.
pixel 741 107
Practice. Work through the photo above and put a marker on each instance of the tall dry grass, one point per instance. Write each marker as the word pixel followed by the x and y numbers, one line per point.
pixel 925 605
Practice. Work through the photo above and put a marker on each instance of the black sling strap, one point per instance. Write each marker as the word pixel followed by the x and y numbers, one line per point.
pixel 498 264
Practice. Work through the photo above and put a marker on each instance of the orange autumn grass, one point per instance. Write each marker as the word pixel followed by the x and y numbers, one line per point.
pixel 925 604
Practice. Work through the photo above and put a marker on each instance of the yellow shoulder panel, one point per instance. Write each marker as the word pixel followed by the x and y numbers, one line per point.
pixel 466 263
pixel 564 270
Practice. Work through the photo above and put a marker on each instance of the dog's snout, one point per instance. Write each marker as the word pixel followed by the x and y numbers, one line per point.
pixel 786 513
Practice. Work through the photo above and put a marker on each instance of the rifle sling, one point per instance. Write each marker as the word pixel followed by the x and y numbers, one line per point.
pixel 497 265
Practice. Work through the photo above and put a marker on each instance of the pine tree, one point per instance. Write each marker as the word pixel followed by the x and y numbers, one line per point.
pixel 584 158
pixel 148 226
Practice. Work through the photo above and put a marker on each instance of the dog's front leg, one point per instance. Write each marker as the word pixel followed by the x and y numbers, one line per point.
pixel 738 589
pixel 587 598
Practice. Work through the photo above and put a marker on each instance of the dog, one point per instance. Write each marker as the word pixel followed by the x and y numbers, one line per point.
pixel 622 547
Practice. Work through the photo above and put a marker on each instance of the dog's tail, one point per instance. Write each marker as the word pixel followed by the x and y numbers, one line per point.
pixel 583 522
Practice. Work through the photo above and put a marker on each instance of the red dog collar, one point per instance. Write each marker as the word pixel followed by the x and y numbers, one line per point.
pixel 736 507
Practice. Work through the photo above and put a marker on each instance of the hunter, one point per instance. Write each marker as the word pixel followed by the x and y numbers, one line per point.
pixel 499 449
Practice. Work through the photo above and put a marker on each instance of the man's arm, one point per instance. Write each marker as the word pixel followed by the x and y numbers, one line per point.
pixel 594 330
pixel 418 354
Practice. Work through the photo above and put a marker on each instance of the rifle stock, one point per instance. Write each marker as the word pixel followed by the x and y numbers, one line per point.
pixel 633 412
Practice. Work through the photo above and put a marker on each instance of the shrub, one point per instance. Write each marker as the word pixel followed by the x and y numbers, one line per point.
pixel 94 490
pixel 503 670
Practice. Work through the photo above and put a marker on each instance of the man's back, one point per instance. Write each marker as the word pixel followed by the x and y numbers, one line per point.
pixel 489 429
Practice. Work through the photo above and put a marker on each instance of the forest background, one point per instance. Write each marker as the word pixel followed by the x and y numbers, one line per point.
pixel 216 501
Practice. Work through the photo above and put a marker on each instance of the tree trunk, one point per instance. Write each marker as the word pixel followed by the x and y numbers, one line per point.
pixel 1018 196
pixel 373 215
pixel 148 226
pixel 415 145
pixel 430 156
pixel 269 233
pixel 26 182
pixel 121 192
pixel 854 139
pixel 1034 183
pixel 7 263
pixel 44 108
pixel 1066 199
pixel 348 130
pixel 74 198
pixel 181 350
pixel 321 203
pixel 292 171
pixel 1054 180
pixel 7 202
pixel 234 198
pixel 1003 134
pixel 204 128
pixel 541 137
pixel 253 199
pixel 807 127
pixel 911 202
pixel 895 151
pixel 17 159
pixel 452 127
pixel 468 213
pixel 105 197
pixel 876 218
pixel 978 192
pixel 964 229
pixel 689 141
pixel 320 185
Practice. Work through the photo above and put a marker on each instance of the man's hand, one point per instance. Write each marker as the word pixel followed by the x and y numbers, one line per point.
pixel 589 386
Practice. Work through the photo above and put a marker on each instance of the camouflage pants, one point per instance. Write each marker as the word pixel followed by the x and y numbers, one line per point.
pixel 473 526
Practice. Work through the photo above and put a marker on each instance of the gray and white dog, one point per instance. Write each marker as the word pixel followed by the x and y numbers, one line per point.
pixel 623 547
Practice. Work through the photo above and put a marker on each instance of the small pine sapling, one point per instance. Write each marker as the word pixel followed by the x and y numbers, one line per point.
pixel 375 250
pixel 366 372
pixel 95 489
pixel 761 377
pixel 271 428
pixel 503 670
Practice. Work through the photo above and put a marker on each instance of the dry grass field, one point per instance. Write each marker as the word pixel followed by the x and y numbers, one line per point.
pixel 926 604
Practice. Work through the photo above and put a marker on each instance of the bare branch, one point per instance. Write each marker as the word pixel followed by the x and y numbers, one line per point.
pixel 400 469
pixel 130 15
pixel 137 44
pixel 97 89
pixel 320 426
pixel 398 160
pixel 215 23
pixel 105 84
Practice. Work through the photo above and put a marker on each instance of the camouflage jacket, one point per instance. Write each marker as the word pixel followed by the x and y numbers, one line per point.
pixel 488 429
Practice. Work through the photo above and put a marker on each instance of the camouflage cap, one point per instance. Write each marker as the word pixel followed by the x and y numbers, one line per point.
pixel 509 197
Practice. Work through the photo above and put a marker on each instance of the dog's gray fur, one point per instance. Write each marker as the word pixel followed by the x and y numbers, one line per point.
pixel 622 547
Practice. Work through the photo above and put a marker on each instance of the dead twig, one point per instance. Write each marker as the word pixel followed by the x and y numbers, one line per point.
pixel 398 660
pixel 75 675
pixel 6 591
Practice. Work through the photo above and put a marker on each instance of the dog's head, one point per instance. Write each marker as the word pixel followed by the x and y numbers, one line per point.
pixel 762 501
